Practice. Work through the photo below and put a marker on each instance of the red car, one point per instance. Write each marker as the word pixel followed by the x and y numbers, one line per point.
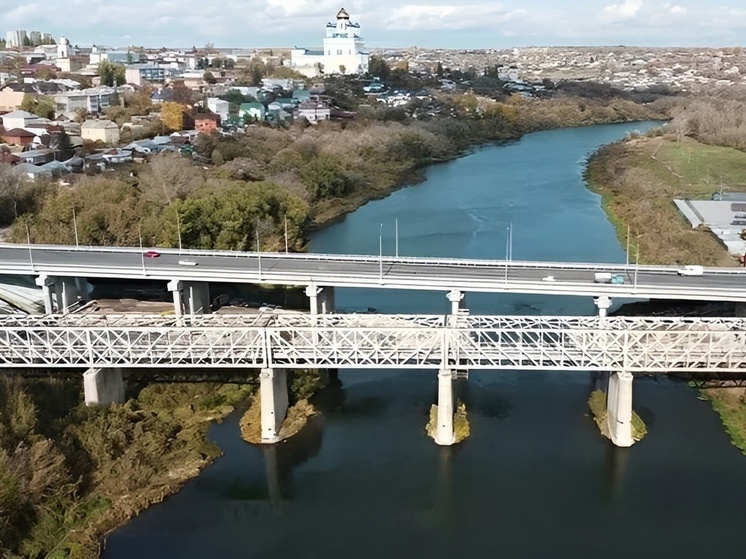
pixel 152 254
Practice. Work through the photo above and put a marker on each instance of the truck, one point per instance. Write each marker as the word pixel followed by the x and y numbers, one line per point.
pixel 608 277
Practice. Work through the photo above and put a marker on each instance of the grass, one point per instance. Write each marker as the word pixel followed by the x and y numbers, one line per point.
pixel 638 181
pixel 730 404
pixel 597 405
pixel 461 428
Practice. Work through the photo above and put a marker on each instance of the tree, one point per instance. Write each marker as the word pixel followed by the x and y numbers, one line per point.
pixel 208 77
pixel 111 72
pixel 39 105
pixel 378 68
pixel 172 115
pixel 342 69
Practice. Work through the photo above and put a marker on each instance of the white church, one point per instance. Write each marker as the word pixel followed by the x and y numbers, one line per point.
pixel 343 53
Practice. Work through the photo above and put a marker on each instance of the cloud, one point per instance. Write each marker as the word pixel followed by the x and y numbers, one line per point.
pixel 449 16
pixel 619 12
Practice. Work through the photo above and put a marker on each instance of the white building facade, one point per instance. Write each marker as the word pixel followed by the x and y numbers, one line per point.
pixel 343 52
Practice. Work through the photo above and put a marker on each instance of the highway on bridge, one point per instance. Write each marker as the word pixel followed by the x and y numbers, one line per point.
pixel 497 276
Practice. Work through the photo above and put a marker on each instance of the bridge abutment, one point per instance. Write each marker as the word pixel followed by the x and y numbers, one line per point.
pixel 619 408
pixel 444 434
pixel 273 395
pixel 103 386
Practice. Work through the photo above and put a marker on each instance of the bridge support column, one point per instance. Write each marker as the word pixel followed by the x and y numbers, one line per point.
pixel 455 297
pixel 619 408
pixel 60 293
pixel 603 303
pixel 273 394
pixel 444 435
pixel 174 286
pixel 191 296
pixel 47 292
pixel 103 386
pixel 320 299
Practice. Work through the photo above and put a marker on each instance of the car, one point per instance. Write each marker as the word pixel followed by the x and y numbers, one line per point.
pixel 187 263
pixel 691 270
pixel 548 278
pixel 152 254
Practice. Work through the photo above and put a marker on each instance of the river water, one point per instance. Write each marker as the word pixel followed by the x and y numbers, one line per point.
pixel 535 479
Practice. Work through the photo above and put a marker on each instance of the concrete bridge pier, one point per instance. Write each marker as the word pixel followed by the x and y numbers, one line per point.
pixel 321 299
pixel 603 303
pixel 103 386
pixel 190 297
pixel 619 408
pixel 273 394
pixel 61 293
pixel 455 297
pixel 444 434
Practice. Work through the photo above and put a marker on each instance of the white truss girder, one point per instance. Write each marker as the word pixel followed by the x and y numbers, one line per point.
pixel 290 340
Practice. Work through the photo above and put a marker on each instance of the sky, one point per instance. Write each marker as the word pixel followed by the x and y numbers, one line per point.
pixel 470 24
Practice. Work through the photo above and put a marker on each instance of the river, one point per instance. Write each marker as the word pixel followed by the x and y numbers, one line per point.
pixel 535 479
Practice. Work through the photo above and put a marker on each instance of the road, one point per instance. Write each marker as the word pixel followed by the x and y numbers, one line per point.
pixel 653 282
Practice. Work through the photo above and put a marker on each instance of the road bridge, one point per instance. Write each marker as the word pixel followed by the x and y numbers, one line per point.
pixel 59 269
pixel 275 342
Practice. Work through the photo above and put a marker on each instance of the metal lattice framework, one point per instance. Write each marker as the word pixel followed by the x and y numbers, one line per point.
pixel 653 345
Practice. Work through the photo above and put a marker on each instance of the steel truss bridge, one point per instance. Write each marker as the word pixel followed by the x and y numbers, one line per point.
pixel 455 342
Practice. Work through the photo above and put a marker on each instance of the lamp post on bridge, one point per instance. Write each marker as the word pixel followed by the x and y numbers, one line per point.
pixel 380 253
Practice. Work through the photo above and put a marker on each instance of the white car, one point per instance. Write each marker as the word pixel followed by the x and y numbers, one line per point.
pixel 187 263
pixel 690 270
pixel 548 278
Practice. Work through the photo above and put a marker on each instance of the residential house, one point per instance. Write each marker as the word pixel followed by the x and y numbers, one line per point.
pixel 314 110
pixel 219 107
pixel 94 100
pixel 18 137
pixel 10 98
pixel 255 111
pixel 138 74
pixel 206 123
pixel 104 131
pixel 17 119
pixel 37 156
pixel 162 95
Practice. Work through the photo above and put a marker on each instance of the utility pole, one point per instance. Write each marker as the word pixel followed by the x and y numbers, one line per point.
pixel 178 229
pixel 397 236
pixel 258 253
pixel 286 234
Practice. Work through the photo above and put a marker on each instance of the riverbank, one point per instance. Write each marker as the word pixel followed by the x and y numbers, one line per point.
pixel 638 180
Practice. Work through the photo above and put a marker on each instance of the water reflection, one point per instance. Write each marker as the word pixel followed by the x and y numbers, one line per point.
pixel 614 468
pixel 280 460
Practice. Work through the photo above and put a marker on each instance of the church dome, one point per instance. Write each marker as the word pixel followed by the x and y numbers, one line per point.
pixel 342 14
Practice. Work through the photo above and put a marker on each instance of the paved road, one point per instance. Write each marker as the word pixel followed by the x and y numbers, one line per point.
pixel 661 282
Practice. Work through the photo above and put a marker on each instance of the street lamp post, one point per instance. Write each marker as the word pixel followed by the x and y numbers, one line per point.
pixel 380 252
pixel 75 227
pixel 258 252
pixel 627 261
pixel 396 223
pixel 178 229
pixel 142 254
pixel 28 240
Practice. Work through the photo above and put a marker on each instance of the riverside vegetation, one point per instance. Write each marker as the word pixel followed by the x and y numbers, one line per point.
pixel 700 152
pixel 70 473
